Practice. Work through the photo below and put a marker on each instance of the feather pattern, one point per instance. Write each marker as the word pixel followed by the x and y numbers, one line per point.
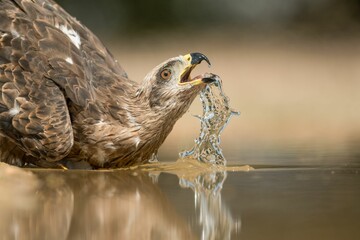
pixel 64 97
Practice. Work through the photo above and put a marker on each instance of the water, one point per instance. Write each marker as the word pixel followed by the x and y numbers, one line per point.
pixel 170 202
pixel 216 115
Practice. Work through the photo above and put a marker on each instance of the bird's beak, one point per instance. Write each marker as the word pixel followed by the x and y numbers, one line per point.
pixel 192 60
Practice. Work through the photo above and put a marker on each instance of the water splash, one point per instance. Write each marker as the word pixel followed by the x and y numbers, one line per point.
pixel 216 115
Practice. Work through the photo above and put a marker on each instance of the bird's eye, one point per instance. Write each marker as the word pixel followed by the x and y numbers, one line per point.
pixel 165 74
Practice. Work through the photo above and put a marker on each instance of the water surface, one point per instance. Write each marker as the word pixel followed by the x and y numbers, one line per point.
pixel 186 200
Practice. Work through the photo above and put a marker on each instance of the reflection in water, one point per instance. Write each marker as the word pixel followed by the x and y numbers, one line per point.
pixel 55 204
pixel 215 218
pixel 206 180
pixel 33 207
pixel 87 205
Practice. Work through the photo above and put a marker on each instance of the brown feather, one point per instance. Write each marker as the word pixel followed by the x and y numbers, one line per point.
pixel 64 97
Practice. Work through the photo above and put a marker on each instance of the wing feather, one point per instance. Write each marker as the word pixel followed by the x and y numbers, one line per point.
pixel 48 59
pixel 76 57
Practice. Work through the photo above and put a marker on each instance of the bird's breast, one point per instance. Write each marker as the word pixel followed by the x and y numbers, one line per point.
pixel 104 142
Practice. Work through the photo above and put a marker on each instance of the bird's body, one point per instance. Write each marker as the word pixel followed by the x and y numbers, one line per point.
pixel 63 97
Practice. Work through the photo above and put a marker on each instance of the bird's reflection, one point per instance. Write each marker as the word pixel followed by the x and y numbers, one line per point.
pixel 43 204
pixel 34 206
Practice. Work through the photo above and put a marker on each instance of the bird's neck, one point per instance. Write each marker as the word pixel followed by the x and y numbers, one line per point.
pixel 158 121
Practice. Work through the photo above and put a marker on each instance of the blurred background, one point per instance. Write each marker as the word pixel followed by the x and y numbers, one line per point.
pixel 291 67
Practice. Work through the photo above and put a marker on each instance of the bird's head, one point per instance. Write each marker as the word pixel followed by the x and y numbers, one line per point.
pixel 169 85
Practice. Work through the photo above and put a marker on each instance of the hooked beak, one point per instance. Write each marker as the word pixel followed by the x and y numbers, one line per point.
pixel 192 60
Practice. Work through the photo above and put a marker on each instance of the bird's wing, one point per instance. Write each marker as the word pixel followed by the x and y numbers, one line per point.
pixel 33 109
pixel 77 60
pixel 46 59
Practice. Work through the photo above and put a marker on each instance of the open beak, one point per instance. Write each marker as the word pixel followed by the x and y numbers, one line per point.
pixel 192 60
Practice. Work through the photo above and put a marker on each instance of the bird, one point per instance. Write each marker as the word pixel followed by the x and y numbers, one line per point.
pixel 65 99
